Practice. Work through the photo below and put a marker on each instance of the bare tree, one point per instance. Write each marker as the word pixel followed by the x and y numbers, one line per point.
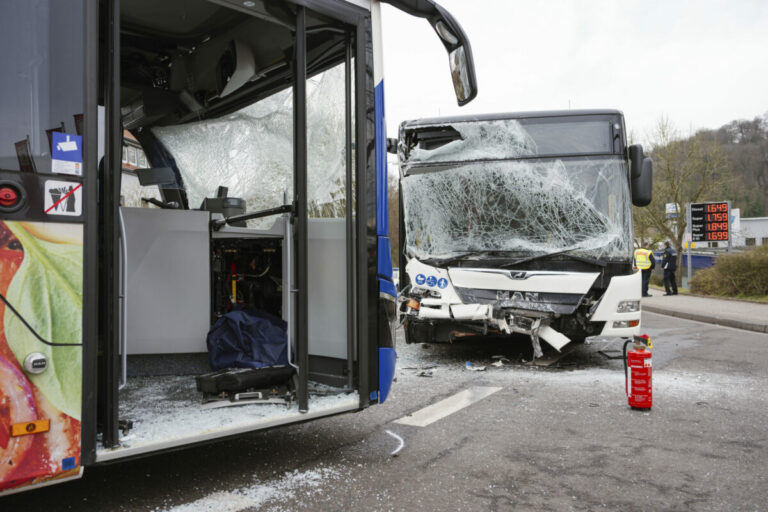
pixel 645 233
pixel 746 143
pixel 686 170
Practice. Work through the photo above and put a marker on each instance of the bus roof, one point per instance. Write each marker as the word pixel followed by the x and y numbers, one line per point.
pixel 429 121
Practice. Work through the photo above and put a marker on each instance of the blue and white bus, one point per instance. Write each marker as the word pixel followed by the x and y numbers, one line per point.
pixel 189 186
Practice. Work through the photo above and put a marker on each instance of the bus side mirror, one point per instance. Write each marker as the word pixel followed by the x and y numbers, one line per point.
pixel 459 54
pixel 642 186
pixel 454 40
pixel 636 160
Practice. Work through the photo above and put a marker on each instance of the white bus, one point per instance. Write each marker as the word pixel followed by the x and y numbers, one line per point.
pixel 520 223
pixel 261 209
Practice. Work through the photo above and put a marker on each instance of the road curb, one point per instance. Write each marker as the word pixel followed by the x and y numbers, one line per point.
pixel 716 297
pixel 727 322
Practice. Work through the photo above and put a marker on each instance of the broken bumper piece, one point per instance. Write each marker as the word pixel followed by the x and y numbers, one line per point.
pixel 496 319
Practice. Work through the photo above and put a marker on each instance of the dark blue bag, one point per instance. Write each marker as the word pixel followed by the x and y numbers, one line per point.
pixel 247 339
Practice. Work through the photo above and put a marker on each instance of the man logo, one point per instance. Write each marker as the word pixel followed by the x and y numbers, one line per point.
pixel 518 275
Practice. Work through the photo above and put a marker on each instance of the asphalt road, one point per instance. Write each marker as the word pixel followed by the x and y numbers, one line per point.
pixel 556 438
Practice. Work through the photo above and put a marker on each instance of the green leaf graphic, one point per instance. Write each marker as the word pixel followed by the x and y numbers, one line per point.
pixel 47 290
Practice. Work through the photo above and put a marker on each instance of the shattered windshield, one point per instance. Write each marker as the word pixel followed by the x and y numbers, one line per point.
pixel 251 151
pixel 506 138
pixel 520 207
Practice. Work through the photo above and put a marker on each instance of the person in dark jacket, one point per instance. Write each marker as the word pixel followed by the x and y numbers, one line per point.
pixel 669 264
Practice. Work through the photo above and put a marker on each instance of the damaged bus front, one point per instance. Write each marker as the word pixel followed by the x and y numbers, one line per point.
pixel 520 223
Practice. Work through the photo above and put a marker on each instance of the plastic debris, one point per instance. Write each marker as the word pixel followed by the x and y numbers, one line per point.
pixel 500 360
pixel 468 366
pixel 426 366
pixel 537 353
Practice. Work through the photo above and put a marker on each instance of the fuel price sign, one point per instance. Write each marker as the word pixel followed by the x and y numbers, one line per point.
pixel 710 222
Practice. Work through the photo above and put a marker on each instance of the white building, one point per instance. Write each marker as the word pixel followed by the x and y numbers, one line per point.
pixel 752 231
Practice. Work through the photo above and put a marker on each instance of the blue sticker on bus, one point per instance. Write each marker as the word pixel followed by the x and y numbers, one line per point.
pixel 420 278
pixel 442 282
pixel 68 463
pixel 432 281
pixel 66 153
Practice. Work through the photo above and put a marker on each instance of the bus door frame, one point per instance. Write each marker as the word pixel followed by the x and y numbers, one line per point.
pixel 90 232
pixel 102 387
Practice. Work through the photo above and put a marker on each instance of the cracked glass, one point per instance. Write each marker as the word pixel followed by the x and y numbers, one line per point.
pixel 251 151
pixel 521 207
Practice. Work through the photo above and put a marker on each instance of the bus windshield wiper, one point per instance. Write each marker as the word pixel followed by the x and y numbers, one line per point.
pixel 585 259
pixel 458 257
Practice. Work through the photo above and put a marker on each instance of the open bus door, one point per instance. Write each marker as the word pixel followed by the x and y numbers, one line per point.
pixel 78 367
pixel 46 252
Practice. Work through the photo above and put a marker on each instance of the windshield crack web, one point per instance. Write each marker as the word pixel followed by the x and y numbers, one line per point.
pixel 527 207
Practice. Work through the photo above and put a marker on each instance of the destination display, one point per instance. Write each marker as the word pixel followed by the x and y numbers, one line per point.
pixel 710 222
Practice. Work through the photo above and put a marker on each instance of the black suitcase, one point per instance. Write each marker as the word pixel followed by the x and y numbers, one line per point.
pixel 234 380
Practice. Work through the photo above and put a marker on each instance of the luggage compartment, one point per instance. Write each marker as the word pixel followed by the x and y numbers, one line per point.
pixel 180 278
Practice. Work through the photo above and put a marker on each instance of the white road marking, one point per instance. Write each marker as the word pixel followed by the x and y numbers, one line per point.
pixel 446 407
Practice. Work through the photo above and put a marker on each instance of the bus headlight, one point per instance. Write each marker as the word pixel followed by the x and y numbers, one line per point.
pixel 628 306
pixel 623 324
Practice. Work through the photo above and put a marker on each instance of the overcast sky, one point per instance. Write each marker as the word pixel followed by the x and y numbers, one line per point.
pixel 702 63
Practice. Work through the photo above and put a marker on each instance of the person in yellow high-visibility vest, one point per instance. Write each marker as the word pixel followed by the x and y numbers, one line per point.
pixel 645 261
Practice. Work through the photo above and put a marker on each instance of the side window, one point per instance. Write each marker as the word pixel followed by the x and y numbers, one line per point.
pixel 326 144
pixel 250 152
pixel 41 82
pixel 131 191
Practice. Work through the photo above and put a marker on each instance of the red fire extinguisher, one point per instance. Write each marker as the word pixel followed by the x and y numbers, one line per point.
pixel 637 372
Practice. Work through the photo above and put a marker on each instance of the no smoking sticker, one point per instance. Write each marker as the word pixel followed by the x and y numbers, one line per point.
pixel 63 198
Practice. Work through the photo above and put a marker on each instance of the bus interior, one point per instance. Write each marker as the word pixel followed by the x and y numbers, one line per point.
pixel 207 94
